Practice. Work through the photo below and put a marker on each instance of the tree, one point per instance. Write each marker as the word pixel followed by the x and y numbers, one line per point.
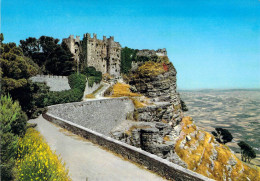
pixel 30 46
pixel 50 56
pixel 222 135
pixel 128 55
pixel 247 152
pixel 15 68
pixel 32 98
pixel 1 38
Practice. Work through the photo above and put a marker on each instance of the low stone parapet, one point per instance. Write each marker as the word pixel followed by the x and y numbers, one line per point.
pixel 161 166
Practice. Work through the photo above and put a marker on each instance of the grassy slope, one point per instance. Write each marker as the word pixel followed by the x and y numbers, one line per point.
pixel 198 154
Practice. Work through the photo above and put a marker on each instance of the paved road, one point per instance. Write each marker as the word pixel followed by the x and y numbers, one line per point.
pixel 87 161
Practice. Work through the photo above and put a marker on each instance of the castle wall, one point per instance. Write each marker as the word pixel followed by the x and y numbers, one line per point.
pixel 114 56
pixel 97 53
pixel 74 46
pixel 104 55
pixel 152 53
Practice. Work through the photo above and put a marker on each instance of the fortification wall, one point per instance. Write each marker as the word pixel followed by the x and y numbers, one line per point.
pixel 161 166
pixel 99 115
pixel 97 53
pixel 104 55
pixel 56 83
pixel 151 53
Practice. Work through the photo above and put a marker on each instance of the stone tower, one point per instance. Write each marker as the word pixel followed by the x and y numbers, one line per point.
pixel 104 55
pixel 73 45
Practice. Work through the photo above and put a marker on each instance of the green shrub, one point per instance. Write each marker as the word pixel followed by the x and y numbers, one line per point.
pixel 222 135
pixel 75 94
pixel 13 119
pixel 128 55
pixel 98 77
pixel 13 124
pixel 91 81
pixel 92 75
pixel 77 81
pixel 72 95
pixel 90 71
pixel 32 98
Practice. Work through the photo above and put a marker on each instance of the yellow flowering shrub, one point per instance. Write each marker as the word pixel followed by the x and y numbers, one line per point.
pixel 36 161
pixel 121 90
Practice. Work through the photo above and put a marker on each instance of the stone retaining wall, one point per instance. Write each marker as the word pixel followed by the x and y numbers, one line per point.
pixel 161 166
pixel 99 115
pixel 56 83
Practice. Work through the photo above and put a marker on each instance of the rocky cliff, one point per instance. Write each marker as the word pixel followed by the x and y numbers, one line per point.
pixel 157 81
pixel 154 121
pixel 159 128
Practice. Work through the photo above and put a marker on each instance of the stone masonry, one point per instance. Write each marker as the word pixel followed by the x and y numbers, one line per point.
pixel 151 53
pixel 104 55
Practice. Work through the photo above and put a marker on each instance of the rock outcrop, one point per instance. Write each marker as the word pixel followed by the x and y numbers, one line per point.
pixel 155 121
pixel 157 81
pixel 160 128
pixel 203 154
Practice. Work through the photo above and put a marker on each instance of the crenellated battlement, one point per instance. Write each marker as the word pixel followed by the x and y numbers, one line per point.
pixel 104 55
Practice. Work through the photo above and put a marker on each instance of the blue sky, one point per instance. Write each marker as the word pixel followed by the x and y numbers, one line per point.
pixel 212 44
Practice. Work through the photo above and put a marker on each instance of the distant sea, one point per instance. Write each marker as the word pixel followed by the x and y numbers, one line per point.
pixel 237 110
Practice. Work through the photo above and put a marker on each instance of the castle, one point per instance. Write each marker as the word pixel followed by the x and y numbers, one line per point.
pixel 104 55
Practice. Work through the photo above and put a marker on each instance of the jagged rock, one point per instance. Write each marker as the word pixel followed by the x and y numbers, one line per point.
pixel 176 159
pixel 214 154
pixel 229 168
pixel 232 161
pixel 164 112
pixel 208 173
pixel 156 112
pixel 182 144
pixel 193 134
pixel 209 139
pixel 133 88
pixel 117 135
pixel 194 146
pixel 188 138
pixel 201 136
pixel 160 126
pixel 212 164
pixel 242 169
pixel 160 88
pixel 224 174
pixel 177 129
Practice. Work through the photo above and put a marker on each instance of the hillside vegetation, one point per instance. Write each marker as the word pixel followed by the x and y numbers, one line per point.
pixel 204 155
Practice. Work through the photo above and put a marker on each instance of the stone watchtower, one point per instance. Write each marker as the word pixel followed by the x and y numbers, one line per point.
pixel 104 55
pixel 113 57
pixel 73 45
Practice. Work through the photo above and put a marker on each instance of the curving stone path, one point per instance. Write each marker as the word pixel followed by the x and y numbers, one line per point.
pixel 99 94
pixel 87 161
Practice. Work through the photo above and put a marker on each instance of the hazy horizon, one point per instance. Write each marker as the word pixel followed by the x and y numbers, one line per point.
pixel 221 89
pixel 212 44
